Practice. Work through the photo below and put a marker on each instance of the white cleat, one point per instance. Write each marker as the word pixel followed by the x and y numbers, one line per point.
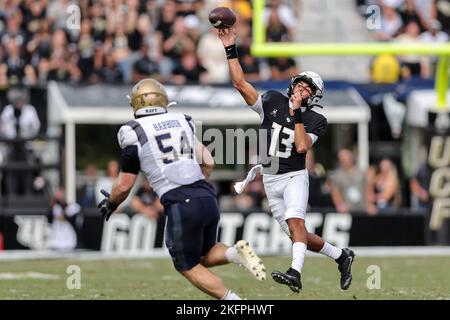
pixel 250 260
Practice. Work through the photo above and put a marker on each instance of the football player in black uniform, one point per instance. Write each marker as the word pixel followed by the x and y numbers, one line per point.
pixel 292 128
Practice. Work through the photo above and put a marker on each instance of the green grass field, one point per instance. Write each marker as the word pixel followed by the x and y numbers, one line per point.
pixel 401 278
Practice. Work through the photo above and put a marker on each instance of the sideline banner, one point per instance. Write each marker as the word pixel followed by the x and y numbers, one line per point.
pixel 137 234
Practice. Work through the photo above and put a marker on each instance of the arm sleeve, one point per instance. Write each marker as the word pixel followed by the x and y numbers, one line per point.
pixel 313 137
pixel 129 160
pixel 258 108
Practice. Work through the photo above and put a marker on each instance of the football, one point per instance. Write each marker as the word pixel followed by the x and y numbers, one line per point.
pixel 222 18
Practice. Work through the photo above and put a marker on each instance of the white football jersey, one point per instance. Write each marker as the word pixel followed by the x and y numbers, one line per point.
pixel 166 150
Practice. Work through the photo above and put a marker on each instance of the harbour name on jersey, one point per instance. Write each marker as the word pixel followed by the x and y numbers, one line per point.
pixel 166 125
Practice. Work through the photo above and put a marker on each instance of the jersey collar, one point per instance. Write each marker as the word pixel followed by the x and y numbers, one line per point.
pixel 150 111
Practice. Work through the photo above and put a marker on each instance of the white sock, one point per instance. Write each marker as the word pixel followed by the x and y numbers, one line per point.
pixel 298 255
pixel 330 251
pixel 230 295
pixel 232 255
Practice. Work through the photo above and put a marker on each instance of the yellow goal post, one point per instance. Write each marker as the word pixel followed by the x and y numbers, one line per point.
pixel 261 48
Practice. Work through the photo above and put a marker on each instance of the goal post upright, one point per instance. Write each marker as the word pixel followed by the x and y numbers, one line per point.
pixel 261 48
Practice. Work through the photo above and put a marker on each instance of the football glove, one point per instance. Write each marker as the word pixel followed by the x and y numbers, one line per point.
pixel 106 206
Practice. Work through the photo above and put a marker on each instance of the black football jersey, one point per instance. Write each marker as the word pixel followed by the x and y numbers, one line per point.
pixel 277 151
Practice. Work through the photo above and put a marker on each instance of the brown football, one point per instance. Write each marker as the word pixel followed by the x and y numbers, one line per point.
pixel 222 18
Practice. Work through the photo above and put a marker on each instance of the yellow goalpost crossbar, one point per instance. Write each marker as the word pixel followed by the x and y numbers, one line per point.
pixel 261 48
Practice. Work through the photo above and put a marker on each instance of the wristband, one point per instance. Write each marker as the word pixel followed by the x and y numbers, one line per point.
pixel 231 52
pixel 298 118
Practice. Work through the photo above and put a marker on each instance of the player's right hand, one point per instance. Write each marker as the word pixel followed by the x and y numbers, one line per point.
pixel 296 100
pixel 227 36
pixel 106 206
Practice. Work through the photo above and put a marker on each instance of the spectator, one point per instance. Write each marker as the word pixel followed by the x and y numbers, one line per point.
pixel 86 52
pixel 391 22
pixel 283 68
pixel 19 119
pixel 179 42
pixel 14 62
pixel 250 65
pixel 146 202
pixel 413 64
pixel 408 12
pixel 189 71
pixel 118 45
pixel 98 23
pixel 192 25
pixel 276 30
pixel 349 186
pixel 212 57
pixel 279 16
pixel 385 68
pixel 62 65
pixel 40 45
pixel 425 10
pixel 434 35
pixel 319 185
pixel 34 15
pixel 13 29
pixel 443 14
pixel 57 13
pixel 106 183
pixel 110 73
pixel 419 186
pixel 66 222
pixel 19 122
pixel 87 192
pixel 144 66
pixel 387 187
pixel 163 32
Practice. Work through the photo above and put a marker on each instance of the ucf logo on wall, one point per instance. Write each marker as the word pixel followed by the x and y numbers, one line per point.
pixel 439 161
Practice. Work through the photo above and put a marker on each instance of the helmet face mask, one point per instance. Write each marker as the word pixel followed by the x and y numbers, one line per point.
pixel 315 83
pixel 148 93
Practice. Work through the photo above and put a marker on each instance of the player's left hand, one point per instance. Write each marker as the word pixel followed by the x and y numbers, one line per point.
pixel 106 206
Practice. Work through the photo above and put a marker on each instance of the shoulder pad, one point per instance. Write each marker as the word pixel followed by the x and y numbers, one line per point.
pixel 127 136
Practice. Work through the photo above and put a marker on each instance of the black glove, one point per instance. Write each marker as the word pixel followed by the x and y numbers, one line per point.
pixel 106 206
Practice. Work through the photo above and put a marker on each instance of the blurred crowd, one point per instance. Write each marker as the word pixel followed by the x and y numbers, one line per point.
pixel 404 22
pixel 123 41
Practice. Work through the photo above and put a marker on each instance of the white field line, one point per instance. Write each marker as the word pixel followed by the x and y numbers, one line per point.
pixel 27 275
pixel 97 255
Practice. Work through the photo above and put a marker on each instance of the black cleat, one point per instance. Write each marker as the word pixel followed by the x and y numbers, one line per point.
pixel 291 278
pixel 345 267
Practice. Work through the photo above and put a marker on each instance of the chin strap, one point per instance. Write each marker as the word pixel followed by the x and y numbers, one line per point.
pixel 314 105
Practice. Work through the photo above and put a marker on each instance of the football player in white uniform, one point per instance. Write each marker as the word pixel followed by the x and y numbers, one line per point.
pixel 163 146
pixel 291 127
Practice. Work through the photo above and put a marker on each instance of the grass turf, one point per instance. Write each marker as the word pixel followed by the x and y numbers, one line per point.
pixel 401 278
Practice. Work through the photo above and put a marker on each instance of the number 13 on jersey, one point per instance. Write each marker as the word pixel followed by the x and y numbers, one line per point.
pixel 285 145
